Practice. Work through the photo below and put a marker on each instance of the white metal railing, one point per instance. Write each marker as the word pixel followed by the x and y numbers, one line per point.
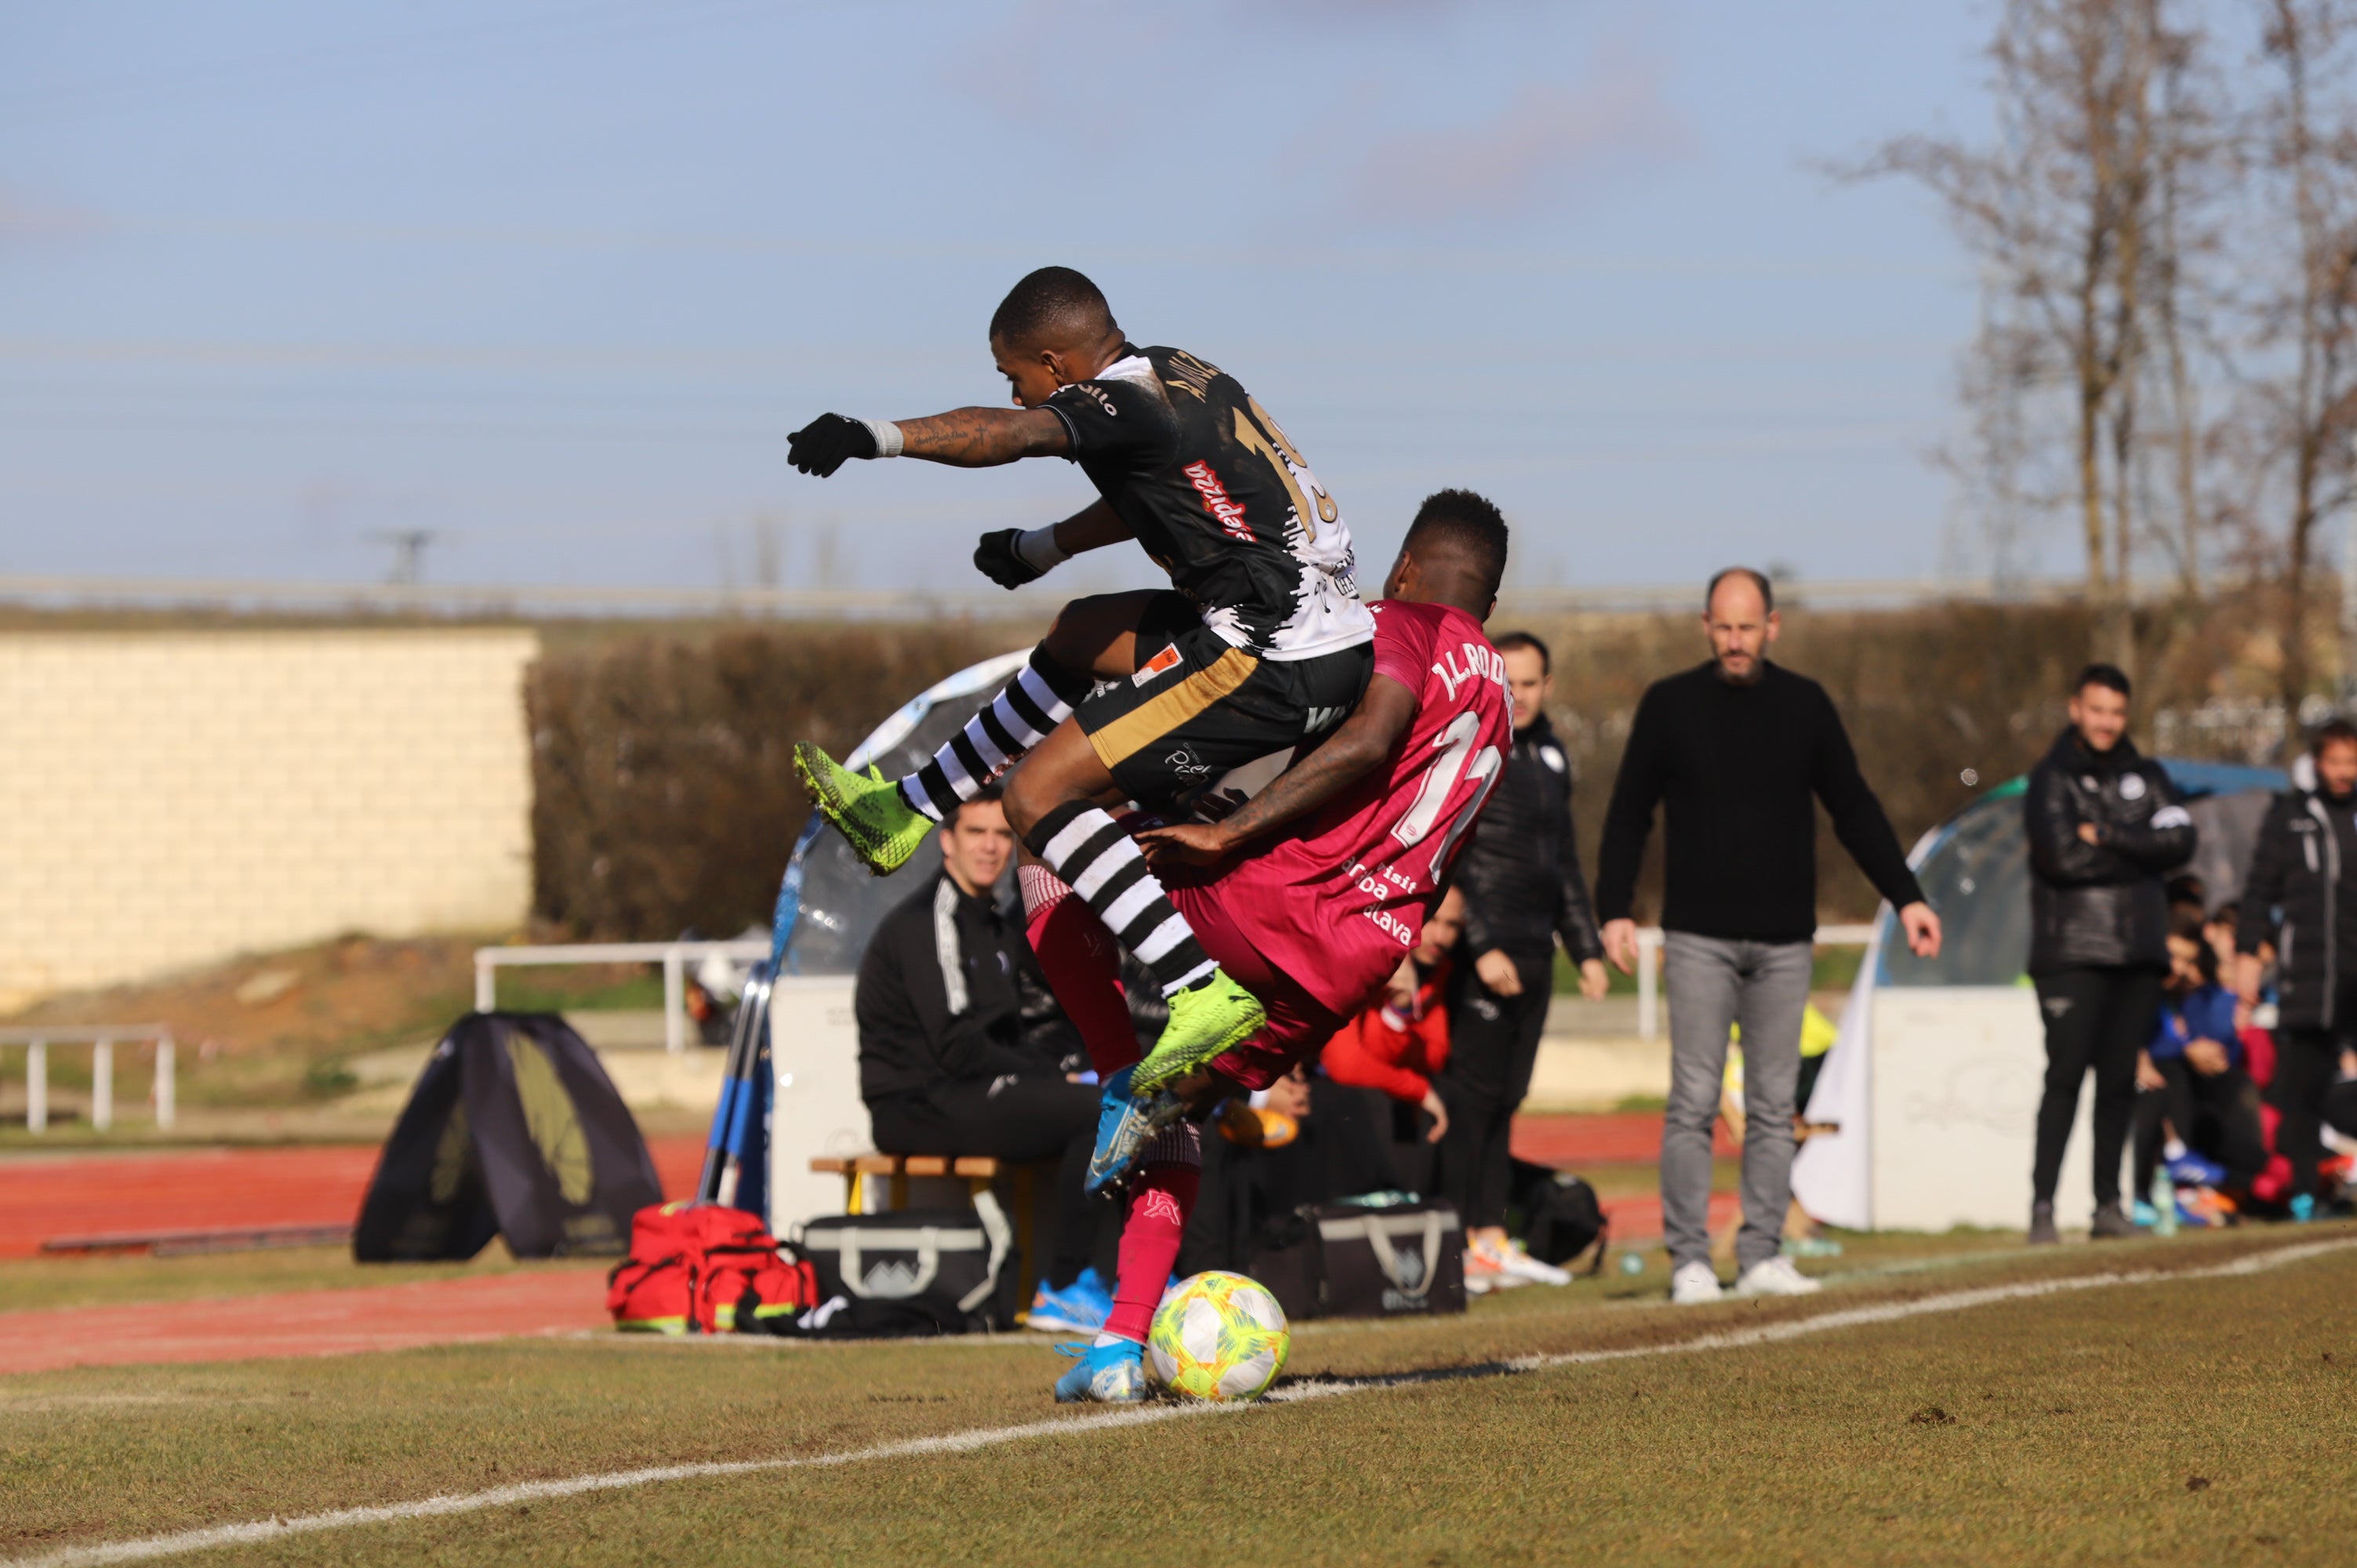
pixel 672 956
pixel 1649 968
pixel 102 1038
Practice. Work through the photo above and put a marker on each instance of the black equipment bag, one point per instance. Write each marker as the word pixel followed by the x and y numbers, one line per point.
pixel 1358 1261
pixel 1561 1216
pixel 913 1270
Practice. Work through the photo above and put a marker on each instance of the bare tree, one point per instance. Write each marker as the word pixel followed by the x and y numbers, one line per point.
pixel 2299 360
pixel 2074 211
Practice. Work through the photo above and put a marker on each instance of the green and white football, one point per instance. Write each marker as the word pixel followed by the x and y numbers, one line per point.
pixel 1218 1336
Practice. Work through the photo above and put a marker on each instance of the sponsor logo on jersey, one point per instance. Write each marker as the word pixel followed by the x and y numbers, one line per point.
pixel 1215 500
pixel 1102 398
pixel 1186 764
pixel 1165 661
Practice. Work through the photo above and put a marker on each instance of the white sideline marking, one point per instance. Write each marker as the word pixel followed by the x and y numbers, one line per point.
pixel 260 1530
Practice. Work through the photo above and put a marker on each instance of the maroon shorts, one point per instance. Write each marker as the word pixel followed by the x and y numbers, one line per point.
pixel 1298 1024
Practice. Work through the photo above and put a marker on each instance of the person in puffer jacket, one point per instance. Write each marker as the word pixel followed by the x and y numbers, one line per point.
pixel 2301 895
pixel 2105 825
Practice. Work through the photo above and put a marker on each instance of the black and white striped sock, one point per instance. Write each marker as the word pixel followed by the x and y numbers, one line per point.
pixel 1039 699
pixel 1086 848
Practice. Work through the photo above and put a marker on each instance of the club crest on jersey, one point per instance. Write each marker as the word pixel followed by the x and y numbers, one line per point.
pixel 1165 661
pixel 1215 500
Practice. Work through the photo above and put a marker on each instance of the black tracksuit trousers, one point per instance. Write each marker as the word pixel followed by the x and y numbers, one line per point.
pixel 2098 1019
pixel 2308 1063
pixel 1493 1045
pixel 1020 1119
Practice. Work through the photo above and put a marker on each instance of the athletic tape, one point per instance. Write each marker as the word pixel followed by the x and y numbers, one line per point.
pixel 260 1530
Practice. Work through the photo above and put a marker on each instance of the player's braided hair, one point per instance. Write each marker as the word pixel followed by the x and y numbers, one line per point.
pixel 1052 305
pixel 1471 522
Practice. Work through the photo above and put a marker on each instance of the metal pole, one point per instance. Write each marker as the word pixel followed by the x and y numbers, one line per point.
pixel 1649 998
pixel 487 983
pixel 101 1085
pixel 37 1086
pixel 675 1002
pixel 167 1099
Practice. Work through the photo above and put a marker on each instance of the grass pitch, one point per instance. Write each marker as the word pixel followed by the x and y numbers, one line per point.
pixel 2186 1417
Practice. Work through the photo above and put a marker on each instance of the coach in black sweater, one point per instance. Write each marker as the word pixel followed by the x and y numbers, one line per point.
pixel 1739 751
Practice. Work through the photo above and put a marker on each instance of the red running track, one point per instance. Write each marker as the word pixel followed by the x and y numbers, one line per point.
pixel 86 1195
pixel 556 1300
pixel 93 1194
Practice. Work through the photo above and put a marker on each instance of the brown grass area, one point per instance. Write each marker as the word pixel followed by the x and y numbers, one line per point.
pixel 2070 1427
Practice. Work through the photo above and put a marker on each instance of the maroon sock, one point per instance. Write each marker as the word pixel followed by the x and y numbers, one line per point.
pixel 1082 964
pixel 1159 1203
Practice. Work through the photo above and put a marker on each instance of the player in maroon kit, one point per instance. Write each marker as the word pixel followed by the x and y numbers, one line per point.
pixel 1312 922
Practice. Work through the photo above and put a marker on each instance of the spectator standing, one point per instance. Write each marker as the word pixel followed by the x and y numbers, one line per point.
pixel 2301 895
pixel 2104 825
pixel 946 1064
pixel 1736 751
pixel 1523 893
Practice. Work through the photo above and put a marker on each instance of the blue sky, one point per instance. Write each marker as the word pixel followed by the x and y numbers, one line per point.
pixel 554 279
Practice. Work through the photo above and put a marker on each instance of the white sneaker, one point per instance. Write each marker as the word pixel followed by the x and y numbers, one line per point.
pixel 1776 1276
pixel 1693 1285
pixel 1514 1261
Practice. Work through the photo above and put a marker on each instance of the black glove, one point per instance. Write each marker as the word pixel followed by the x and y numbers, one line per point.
pixel 821 446
pixel 996 558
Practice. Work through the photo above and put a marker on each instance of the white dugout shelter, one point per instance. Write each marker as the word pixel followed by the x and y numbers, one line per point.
pixel 1935 1078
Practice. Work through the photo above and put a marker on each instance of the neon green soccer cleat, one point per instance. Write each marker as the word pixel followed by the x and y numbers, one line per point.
pixel 882 829
pixel 1215 1016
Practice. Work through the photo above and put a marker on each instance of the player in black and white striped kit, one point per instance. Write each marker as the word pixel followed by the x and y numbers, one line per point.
pixel 1261 645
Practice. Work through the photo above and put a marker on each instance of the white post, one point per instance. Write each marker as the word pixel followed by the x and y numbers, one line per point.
pixel 675 1002
pixel 1649 992
pixel 37 1086
pixel 101 1085
pixel 166 1090
pixel 487 983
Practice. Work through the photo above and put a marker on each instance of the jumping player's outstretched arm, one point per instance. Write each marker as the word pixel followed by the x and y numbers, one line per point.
pixel 1363 743
pixel 963 438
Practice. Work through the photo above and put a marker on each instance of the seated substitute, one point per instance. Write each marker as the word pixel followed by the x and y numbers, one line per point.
pixel 1380 1098
pixel 946 1064
pixel 2197 1109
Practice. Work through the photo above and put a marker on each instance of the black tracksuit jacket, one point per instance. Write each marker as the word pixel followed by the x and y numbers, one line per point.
pixel 942 996
pixel 1520 871
pixel 2101 906
pixel 2292 897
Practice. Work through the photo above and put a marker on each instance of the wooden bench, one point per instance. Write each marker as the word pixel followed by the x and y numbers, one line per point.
pixel 979 1172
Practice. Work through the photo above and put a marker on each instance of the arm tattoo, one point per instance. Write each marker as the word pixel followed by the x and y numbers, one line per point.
pixel 1357 750
pixel 983 437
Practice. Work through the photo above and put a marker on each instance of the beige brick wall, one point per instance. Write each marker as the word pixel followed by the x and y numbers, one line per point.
pixel 171 799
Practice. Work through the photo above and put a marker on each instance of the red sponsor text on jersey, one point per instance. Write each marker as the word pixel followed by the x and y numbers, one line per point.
pixel 1216 501
pixel 1337 904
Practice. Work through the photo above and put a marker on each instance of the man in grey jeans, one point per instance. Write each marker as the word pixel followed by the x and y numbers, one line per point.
pixel 1737 750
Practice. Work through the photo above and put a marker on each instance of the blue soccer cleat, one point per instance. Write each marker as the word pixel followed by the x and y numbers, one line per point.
pixel 2303 1207
pixel 1081 1307
pixel 1125 1124
pixel 1104 1374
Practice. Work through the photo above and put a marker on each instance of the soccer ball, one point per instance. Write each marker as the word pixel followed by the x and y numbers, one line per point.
pixel 1218 1336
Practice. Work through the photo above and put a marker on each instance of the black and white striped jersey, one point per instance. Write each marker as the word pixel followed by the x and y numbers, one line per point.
pixel 1220 500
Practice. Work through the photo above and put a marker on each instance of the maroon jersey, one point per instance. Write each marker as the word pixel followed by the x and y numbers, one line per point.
pixel 1337 903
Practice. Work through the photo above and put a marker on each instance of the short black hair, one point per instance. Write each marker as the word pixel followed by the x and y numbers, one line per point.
pixel 2331 731
pixel 989 793
pixel 2110 676
pixel 1471 522
pixel 1050 302
pixel 1513 640
pixel 1758 580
